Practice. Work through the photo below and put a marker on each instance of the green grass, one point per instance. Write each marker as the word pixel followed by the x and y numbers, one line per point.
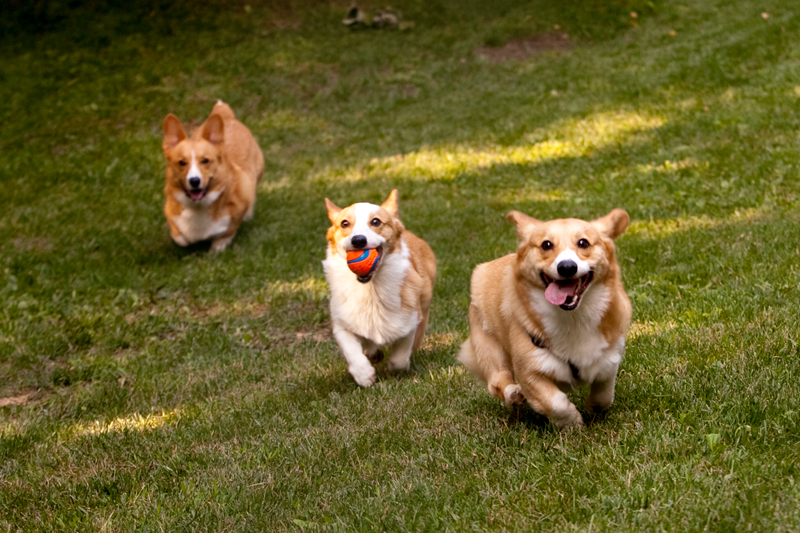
pixel 178 390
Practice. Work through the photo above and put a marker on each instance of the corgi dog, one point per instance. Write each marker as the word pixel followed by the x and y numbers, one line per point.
pixel 387 304
pixel 211 178
pixel 551 317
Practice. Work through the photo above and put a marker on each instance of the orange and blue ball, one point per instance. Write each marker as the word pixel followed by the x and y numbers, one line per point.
pixel 363 262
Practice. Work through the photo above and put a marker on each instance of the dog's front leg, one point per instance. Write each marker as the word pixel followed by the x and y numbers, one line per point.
pixel 357 363
pixel 220 242
pixel 176 235
pixel 601 395
pixel 401 353
pixel 547 399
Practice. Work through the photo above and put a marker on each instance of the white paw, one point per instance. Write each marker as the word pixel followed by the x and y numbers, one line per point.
pixel 180 240
pixel 219 245
pixel 564 413
pixel 364 375
pixel 513 395
pixel 572 420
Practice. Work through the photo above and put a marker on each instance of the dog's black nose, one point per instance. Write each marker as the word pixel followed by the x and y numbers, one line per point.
pixel 194 182
pixel 567 268
pixel 359 241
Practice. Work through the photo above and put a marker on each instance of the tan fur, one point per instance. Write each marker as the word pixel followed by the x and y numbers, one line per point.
pixel 235 162
pixel 418 287
pixel 503 315
pixel 415 288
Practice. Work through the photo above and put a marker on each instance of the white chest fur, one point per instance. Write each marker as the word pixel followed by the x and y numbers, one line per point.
pixel 197 224
pixel 575 338
pixel 371 310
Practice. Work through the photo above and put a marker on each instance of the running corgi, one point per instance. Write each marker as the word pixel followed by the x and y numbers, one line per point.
pixel 381 278
pixel 550 317
pixel 211 178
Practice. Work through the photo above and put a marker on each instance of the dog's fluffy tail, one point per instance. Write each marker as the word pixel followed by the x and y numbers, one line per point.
pixel 223 110
pixel 467 358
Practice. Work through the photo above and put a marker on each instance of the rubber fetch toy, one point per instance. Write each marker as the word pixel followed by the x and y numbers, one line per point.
pixel 363 262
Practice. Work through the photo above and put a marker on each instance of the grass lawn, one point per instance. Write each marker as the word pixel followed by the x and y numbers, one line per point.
pixel 163 389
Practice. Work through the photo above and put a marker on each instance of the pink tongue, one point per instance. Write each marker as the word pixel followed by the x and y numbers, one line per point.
pixel 557 294
pixel 196 195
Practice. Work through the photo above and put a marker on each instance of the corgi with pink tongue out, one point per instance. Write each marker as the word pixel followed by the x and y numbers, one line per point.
pixel 551 317
pixel 211 178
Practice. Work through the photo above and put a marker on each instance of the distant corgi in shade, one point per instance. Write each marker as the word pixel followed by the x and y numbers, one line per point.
pixel 381 278
pixel 550 317
pixel 211 178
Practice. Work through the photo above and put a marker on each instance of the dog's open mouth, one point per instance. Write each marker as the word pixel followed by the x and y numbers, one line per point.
pixel 197 194
pixel 363 263
pixel 566 293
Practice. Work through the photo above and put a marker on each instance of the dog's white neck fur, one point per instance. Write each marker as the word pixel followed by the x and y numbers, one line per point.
pixel 196 222
pixel 371 310
pixel 575 336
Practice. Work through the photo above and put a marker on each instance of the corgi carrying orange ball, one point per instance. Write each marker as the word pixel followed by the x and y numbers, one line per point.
pixel 381 278
pixel 551 317
pixel 211 178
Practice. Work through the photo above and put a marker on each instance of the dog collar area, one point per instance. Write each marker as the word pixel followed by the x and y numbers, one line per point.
pixel 539 343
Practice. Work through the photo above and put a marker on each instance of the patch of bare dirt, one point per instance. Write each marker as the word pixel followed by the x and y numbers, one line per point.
pixel 17 400
pixel 521 49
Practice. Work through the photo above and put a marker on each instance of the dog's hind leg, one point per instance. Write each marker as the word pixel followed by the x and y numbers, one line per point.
pixel 485 358
pixel 423 325
pixel 425 313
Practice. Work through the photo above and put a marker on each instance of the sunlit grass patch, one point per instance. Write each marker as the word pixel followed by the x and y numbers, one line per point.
pixel 648 329
pixel 566 139
pixel 135 422
pixel 655 229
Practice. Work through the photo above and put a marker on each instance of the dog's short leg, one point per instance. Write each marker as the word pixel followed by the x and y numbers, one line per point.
pixel 485 358
pixel 547 399
pixel 219 244
pixel 401 353
pixel 601 395
pixel 512 395
pixel 249 213
pixel 357 363
pixel 180 240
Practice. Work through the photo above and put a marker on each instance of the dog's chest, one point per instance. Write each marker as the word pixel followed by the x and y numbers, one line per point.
pixel 198 224
pixel 372 310
pixel 578 351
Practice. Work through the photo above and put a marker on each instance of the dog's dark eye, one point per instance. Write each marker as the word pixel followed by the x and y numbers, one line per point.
pixel 583 243
pixel 204 161
pixel 547 245
pixel 182 163
pixel 376 222
pixel 345 224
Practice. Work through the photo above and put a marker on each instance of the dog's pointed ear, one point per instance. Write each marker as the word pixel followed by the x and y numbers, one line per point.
pixel 390 204
pixel 214 130
pixel 333 210
pixel 613 224
pixel 173 132
pixel 524 224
